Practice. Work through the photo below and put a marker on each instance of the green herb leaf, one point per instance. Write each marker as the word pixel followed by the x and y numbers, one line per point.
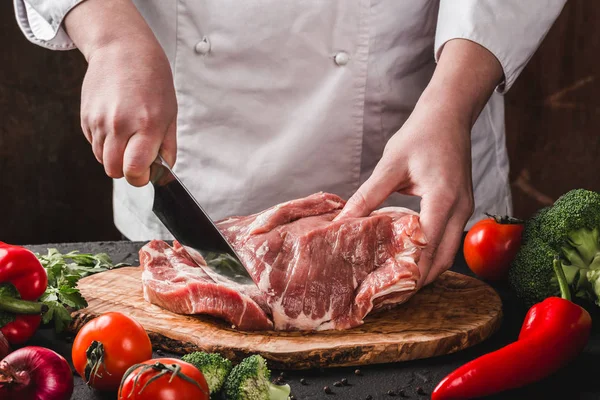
pixel 48 315
pixel 58 313
pixel 74 299
pixel 49 296
pixel 64 271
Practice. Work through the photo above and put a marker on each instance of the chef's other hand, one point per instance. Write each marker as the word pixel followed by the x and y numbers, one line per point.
pixel 430 156
pixel 128 102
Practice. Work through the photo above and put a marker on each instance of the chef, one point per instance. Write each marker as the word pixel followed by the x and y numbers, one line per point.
pixel 383 102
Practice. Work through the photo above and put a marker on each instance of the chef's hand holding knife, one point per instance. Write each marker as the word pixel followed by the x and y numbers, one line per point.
pixel 430 156
pixel 128 102
pixel 129 110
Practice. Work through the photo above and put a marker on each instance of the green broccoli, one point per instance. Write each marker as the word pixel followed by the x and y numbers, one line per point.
pixel 568 229
pixel 251 380
pixel 531 231
pixel 572 225
pixel 531 274
pixel 214 368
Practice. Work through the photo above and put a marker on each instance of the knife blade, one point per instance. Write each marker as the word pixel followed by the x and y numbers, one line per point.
pixel 191 226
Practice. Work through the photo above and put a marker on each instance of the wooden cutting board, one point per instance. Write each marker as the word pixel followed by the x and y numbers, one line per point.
pixel 453 313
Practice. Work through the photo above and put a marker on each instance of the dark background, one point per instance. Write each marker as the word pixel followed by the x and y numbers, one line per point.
pixel 52 189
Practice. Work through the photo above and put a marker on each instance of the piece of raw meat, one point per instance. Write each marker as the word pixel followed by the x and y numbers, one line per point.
pixel 311 273
pixel 176 281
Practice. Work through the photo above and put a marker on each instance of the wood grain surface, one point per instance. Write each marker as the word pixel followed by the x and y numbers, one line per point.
pixel 453 313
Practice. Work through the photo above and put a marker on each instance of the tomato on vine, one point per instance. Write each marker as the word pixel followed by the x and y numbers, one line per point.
pixel 163 379
pixel 490 246
pixel 106 347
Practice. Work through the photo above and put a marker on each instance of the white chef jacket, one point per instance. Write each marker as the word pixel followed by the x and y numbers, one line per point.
pixel 280 99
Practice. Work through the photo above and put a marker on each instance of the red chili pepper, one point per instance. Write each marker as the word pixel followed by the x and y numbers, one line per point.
pixel 20 268
pixel 554 332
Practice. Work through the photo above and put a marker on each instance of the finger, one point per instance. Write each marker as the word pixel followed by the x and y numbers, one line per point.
pixel 446 251
pixel 434 216
pixel 113 153
pixel 381 184
pixel 140 153
pixel 87 132
pixel 98 138
pixel 168 149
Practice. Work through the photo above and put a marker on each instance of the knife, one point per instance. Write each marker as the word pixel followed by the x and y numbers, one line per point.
pixel 191 226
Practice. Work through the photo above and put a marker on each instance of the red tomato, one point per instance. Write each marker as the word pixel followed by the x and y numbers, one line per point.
pixel 118 342
pixel 490 246
pixel 172 379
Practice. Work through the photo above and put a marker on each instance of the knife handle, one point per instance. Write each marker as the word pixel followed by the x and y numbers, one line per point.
pixel 157 170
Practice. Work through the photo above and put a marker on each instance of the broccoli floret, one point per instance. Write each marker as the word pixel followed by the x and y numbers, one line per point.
pixel 531 275
pixel 251 380
pixel 531 230
pixel 572 225
pixel 214 368
pixel 570 230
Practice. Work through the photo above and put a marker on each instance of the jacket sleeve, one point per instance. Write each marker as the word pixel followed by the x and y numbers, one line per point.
pixel 512 30
pixel 41 22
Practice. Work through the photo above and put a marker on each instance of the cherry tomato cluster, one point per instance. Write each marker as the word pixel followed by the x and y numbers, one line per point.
pixel 113 352
pixel 490 246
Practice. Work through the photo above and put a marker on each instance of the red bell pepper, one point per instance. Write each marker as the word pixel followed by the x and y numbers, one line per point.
pixel 554 332
pixel 21 270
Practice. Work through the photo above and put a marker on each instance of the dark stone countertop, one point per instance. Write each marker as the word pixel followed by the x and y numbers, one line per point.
pixel 576 381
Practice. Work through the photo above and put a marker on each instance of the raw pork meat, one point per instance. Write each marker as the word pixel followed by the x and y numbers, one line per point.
pixel 311 273
pixel 175 280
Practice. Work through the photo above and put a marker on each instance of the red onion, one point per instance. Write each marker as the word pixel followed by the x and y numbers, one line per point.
pixel 35 373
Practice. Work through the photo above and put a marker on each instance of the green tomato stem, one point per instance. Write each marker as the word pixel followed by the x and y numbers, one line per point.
pixel 505 219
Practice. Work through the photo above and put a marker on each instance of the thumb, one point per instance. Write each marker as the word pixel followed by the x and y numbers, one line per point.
pixel 370 194
pixel 140 153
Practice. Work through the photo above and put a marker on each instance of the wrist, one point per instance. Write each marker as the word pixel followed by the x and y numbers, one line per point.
pixel 96 24
pixel 464 80
pixel 440 103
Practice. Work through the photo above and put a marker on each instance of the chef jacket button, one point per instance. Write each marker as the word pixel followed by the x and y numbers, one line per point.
pixel 341 58
pixel 203 46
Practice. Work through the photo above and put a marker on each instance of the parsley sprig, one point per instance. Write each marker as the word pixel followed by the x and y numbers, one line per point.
pixel 64 271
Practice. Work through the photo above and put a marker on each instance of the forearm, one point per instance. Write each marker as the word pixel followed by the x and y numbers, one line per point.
pixel 94 24
pixel 463 81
